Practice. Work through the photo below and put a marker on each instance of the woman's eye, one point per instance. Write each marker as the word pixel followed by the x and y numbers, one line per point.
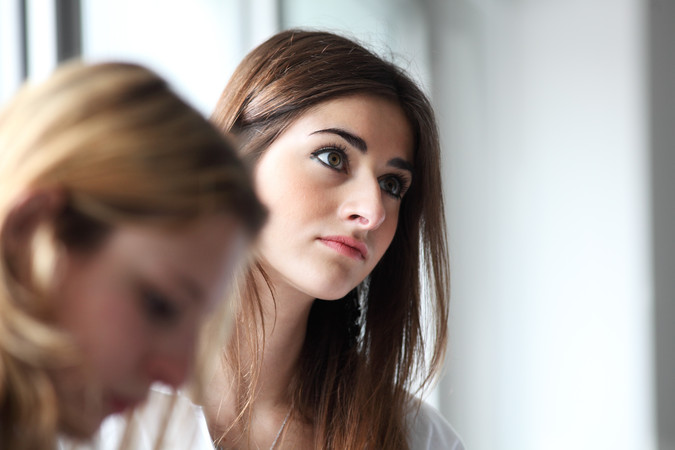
pixel 392 185
pixel 333 158
pixel 157 307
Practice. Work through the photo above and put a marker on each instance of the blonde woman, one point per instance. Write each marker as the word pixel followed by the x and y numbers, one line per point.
pixel 123 214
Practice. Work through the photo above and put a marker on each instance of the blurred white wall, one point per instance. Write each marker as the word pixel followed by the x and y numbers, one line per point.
pixel 195 45
pixel 544 114
pixel 396 29
pixel 10 58
pixel 37 34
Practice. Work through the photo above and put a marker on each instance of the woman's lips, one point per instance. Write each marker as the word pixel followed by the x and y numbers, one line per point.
pixel 346 245
pixel 120 404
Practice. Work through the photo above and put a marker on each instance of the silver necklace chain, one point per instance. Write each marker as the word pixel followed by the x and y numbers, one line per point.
pixel 281 428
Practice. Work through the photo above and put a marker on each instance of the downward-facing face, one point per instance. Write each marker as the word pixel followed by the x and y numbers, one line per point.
pixel 134 306
pixel 333 183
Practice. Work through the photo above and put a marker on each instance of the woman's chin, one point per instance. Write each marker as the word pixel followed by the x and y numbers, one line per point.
pixel 330 290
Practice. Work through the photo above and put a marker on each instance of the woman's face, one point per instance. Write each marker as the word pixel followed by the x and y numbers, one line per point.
pixel 333 183
pixel 135 306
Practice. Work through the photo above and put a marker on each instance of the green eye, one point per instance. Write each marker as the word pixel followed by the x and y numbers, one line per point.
pixel 394 185
pixel 331 157
pixel 334 159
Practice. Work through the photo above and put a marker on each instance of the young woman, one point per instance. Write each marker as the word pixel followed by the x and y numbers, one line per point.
pixel 329 349
pixel 123 213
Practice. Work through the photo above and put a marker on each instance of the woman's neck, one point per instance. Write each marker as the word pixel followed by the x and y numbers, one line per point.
pixel 285 314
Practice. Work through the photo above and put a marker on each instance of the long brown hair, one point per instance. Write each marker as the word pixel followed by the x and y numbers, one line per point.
pixel 362 354
pixel 123 148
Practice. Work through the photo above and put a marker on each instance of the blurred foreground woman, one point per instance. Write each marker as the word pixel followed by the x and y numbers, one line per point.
pixel 123 214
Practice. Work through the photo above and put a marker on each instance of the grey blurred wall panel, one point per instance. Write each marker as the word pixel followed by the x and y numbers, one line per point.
pixel 662 108
pixel 68 29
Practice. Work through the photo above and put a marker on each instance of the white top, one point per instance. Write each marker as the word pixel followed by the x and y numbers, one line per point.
pixel 430 431
pixel 187 428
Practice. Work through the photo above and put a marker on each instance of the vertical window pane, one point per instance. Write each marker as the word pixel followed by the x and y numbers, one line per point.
pixel 195 45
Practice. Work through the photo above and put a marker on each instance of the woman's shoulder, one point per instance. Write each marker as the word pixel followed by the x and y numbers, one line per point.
pixel 145 426
pixel 429 430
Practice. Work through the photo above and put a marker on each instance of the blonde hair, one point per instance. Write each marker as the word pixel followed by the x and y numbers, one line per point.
pixel 121 147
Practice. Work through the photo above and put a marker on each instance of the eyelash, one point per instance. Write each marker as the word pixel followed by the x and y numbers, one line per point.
pixel 403 182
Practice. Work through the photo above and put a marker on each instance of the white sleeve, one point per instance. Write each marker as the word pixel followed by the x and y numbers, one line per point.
pixel 428 429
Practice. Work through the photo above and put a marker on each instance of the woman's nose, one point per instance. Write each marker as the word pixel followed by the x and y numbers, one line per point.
pixel 363 204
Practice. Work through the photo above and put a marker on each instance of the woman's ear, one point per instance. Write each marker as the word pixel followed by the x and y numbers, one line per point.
pixel 27 214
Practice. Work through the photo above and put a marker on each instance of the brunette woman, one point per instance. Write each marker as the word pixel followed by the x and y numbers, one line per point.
pixel 343 313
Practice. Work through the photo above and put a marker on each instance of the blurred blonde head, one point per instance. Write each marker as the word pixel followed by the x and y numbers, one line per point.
pixel 116 146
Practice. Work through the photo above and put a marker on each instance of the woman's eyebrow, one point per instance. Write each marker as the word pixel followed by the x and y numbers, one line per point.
pixel 353 140
pixel 401 163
